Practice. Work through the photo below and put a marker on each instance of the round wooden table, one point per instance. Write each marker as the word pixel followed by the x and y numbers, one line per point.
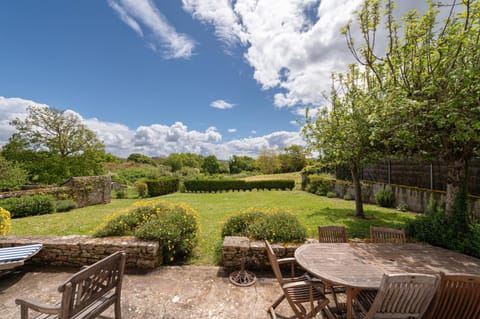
pixel 359 266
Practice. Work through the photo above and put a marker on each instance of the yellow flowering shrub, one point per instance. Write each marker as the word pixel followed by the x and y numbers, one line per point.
pixel 276 225
pixel 174 226
pixel 4 221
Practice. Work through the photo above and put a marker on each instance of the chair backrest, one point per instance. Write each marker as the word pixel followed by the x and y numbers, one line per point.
pixel 405 295
pixel 457 297
pixel 387 235
pixel 332 234
pixel 103 279
pixel 272 258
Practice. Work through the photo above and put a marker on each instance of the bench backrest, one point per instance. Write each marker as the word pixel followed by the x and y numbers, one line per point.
pixel 100 280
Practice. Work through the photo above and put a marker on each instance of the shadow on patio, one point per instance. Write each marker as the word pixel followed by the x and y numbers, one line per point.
pixel 165 293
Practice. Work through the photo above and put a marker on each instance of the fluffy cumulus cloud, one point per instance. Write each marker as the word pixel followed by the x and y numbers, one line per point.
pixel 149 23
pixel 156 139
pixel 222 105
pixel 292 45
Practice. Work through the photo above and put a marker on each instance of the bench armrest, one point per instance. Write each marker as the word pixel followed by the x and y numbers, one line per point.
pixel 43 308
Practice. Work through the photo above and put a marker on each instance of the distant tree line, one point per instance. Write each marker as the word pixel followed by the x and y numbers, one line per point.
pixel 51 145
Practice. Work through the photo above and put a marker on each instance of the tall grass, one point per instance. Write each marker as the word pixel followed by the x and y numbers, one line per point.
pixel 214 208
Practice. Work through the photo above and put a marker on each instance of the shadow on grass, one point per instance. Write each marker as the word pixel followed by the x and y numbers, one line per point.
pixel 358 227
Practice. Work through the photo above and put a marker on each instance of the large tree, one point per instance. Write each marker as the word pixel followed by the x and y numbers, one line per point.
pixel 341 132
pixel 293 159
pixel 54 145
pixel 430 78
pixel 267 161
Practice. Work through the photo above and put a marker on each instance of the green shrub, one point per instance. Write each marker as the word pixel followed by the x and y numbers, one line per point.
pixel 385 198
pixel 121 193
pixel 275 225
pixel 331 194
pixel 133 174
pixel 4 221
pixel 238 225
pixel 65 205
pixel 433 228
pixel 162 186
pixel 29 205
pixel 319 185
pixel 174 226
pixel 12 175
pixel 141 188
pixel 348 196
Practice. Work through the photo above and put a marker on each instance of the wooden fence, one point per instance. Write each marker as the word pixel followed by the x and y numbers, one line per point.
pixel 429 175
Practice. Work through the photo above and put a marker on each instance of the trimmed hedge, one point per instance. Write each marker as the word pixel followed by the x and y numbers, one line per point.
pixel 162 186
pixel 29 205
pixel 212 186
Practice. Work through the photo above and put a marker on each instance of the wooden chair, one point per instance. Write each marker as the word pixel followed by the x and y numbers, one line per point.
pixel 387 235
pixel 332 234
pixel 86 294
pixel 16 256
pixel 399 296
pixel 457 297
pixel 299 291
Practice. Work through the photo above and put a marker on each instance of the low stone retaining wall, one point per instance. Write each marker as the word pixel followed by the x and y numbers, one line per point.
pixel 235 249
pixel 79 251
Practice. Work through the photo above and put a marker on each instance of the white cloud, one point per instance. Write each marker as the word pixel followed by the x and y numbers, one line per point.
pixel 161 35
pixel 219 13
pixel 222 105
pixel 157 139
pixel 292 45
pixel 232 130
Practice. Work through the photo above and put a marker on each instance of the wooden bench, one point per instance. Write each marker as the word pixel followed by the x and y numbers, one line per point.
pixel 86 294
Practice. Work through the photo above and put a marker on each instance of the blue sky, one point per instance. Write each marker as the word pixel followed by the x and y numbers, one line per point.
pixel 154 77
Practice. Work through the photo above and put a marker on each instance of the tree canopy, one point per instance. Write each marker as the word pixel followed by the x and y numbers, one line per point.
pixel 429 76
pixel 54 145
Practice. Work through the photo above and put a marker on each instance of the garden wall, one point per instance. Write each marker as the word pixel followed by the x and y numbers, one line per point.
pixel 415 198
pixel 77 251
pixel 86 190
pixel 235 249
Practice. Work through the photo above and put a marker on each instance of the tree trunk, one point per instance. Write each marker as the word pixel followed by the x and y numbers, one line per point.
pixel 456 175
pixel 358 192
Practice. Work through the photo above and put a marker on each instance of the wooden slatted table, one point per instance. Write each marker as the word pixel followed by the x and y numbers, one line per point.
pixel 361 266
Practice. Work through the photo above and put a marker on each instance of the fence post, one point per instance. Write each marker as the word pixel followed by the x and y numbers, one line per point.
pixel 389 166
pixel 431 175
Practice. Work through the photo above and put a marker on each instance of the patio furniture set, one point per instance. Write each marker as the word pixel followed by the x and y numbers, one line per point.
pixel 386 278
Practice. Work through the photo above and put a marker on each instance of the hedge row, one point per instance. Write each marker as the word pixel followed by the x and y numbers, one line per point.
pixel 236 185
pixel 29 205
pixel 162 186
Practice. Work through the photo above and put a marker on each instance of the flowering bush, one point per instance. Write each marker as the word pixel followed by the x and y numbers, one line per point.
pixel 276 225
pixel 4 221
pixel 174 226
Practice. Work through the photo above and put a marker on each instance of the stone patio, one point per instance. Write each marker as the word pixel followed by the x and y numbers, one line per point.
pixel 175 292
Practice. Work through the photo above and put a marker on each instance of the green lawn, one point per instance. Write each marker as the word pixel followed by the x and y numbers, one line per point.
pixel 213 209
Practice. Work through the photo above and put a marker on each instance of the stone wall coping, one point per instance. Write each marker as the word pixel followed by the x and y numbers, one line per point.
pixel 80 250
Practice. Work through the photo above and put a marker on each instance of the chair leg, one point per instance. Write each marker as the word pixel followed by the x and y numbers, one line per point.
pixel 118 309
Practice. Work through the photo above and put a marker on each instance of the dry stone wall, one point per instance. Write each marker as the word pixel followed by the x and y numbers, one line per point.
pixel 77 251
pixel 85 190
pixel 253 253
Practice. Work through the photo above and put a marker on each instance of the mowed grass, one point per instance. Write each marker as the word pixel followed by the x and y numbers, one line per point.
pixel 215 208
